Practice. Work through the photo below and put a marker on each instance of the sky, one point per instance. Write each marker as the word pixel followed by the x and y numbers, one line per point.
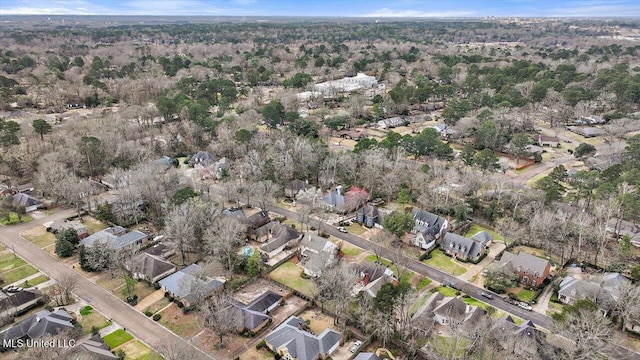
pixel 342 8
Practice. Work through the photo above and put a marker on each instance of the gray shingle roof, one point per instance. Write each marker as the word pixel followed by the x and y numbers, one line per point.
pixel 301 344
pixel 264 301
pixel 60 225
pixel 462 246
pixel 22 199
pixel 43 323
pixel 184 283
pixel 280 235
pixel 203 158
pixel 482 237
pixel 525 262
pixel 149 265
pixel 18 299
pixel 114 237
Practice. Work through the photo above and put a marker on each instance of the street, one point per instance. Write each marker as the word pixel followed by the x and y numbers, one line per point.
pixel 136 323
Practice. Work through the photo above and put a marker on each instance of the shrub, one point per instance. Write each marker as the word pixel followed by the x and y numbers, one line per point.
pixel 166 294
pixel 148 313
pixel 95 330
pixel 157 317
pixel 180 304
pixel 156 286
pixel 261 345
pixel 86 310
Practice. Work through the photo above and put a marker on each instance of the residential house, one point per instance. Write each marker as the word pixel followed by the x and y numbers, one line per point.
pixel 633 325
pixel 256 220
pixel 369 216
pixel 622 228
pixel 521 340
pixel 335 201
pixel 464 248
pixel 161 250
pixel 41 324
pixel 277 237
pixel 221 166
pixel 188 285
pixel 317 253
pixel 590 120
pixel 391 123
pixel 371 277
pixel 202 159
pixel 149 267
pixel 349 134
pixel 293 340
pixel 255 315
pixel 93 348
pixel 586 131
pixel 17 302
pixel 163 163
pixel 292 188
pixel 450 311
pixel 533 149
pixel 30 203
pixel 367 356
pixel 531 270
pixel 60 225
pixel 443 130
pixel 117 237
pixel 550 141
pixel 428 228
pixel 603 289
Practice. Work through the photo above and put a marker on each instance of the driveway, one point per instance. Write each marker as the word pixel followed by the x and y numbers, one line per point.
pixel 143 328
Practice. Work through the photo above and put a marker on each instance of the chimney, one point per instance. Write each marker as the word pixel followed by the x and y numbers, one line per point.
pixel 339 189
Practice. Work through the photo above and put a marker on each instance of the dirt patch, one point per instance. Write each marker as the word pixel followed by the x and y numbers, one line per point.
pixel 318 321
pixel 256 288
pixel 183 325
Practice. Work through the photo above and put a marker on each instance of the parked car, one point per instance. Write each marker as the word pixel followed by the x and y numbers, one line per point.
pixel 355 346
pixel 452 285
pixel 525 306
pixel 13 289
pixel 487 295
pixel 342 230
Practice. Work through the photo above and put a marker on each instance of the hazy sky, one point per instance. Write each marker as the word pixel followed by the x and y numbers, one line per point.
pixel 363 8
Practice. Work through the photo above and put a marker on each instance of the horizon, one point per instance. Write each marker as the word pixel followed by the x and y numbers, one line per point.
pixel 375 9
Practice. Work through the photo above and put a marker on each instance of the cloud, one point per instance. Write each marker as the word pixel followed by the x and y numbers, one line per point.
pixel 386 12
pixel 595 8
pixel 56 7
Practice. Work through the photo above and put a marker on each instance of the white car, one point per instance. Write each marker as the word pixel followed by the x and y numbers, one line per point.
pixel 355 346
pixel 342 230
pixel 525 306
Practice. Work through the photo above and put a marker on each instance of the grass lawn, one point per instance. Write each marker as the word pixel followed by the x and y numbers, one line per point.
pixel 9 262
pixel 91 319
pixel 474 229
pixel 253 354
pixel 531 182
pixel 289 275
pixel 16 274
pixel 424 282
pixel 94 225
pixel 350 250
pixel 183 325
pixel 356 229
pixel 406 277
pixel 117 338
pixel 372 258
pixel 416 305
pixel 110 283
pixel 442 262
pixel 158 305
pixel 40 238
pixel 135 350
pixel 446 291
pixel 35 281
pixel 525 295
pixel 142 289
pixel 13 219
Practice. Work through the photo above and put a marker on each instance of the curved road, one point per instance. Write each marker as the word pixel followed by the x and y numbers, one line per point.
pixel 135 322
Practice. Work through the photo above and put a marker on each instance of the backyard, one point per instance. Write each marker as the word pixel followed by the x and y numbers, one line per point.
pixel 442 262
pixel 474 229
pixel 290 275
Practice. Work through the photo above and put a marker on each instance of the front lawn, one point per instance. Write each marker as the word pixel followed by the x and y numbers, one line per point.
pixel 372 258
pixel 350 250
pixel 117 338
pixel 40 237
pixel 16 274
pixel 184 325
pixel 136 350
pixel 158 305
pixel 424 282
pixel 13 219
pixel 92 318
pixel 447 291
pixel 525 295
pixel 290 275
pixel 442 262
pixel 9 262
pixel 93 225
pixel 35 281
pixel 356 229
pixel 141 288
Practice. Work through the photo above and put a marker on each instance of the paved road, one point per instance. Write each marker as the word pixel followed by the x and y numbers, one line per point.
pixel 135 322
pixel 540 168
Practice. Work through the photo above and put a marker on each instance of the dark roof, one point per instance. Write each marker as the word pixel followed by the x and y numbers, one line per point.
pixel 297 185
pixel 158 250
pixel 182 283
pixel 150 265
pixel 334 198
pixel 369 210
pixel 18 299
pixel 22 199
pixel 427 223
pixel 482 237
pixel 115 237
pixel 460 245
pixel 43 323
pixel 264 301
pixel 301 344
pixel 261 217
pixel 203 158
pixel 95 348
pixel 280 235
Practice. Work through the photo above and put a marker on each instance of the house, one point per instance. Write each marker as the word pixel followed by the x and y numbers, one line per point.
pixel 277 237
pixel 335 201
pixel 93 348
pixel 292 340
pixel 117 237
pixel 349 134
pixel 202 159
pixel 317 253
pixel 149 267
pixel 586 131
pixel 443 130
pixel 633 325
pixel 161 250
pixel 551 141
pixel 531 270
pixel 19 301
pixel 22 199
pixel 522 340
pixel 221 166
pixel 189 286
pixel 371 277
pixel 369 216
pixel 164 162
pixel 255 315
pixel 293 188
pixel 464 248
pixel 428 228
pixel 622 228
pixel 603 289
pixel 60 225
pixel 533 149
pixel 256 220
pixel 590 120
pixel 391 123
pixel 450 311
pixel 367 356
pixel 41 324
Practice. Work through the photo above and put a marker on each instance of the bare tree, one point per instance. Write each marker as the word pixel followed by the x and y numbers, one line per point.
pixel 222 240
pixel 335 284
pixel 67 284
pixel 218 316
